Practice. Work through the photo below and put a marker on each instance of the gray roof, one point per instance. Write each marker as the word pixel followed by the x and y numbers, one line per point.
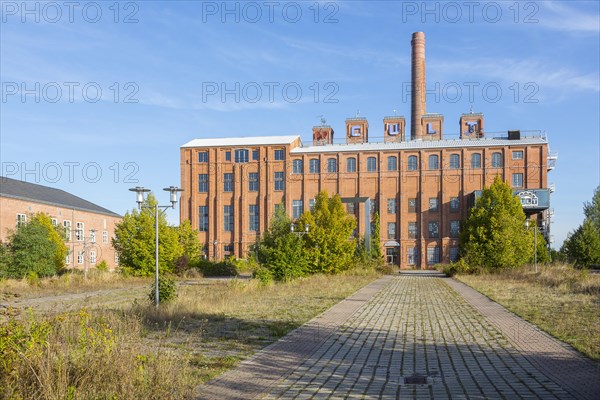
pixel 417 145
pixel 46 195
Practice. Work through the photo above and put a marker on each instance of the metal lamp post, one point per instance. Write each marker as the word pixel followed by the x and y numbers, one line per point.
pixel 300 233
pixel 534 244
pixel 140 190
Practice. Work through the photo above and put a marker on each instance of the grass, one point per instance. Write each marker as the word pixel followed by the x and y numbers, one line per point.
pixel 561 300
pixel 164 353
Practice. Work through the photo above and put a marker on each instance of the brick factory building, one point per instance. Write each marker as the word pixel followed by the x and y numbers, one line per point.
pixel 422 185
pixel 89 227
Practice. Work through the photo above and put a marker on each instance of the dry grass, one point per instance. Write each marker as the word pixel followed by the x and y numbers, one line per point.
pixel 561 300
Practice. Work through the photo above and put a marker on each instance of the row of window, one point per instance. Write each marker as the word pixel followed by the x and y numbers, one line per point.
pixel 91 257
pixel 433 255
pixel 432 229
pixel 228 218
pixel 79 229
pixel 242 155
pixel 412 205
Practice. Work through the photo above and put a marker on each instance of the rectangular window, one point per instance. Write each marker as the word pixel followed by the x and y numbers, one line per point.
pixel 241 156
pixel 79 231
pixel 104 236
pixel 392 164
pixel 54 221
pixel 203 218
pixel 313 166
pixel 21 219
pixel 412 205
pixel 351 208
pixel 228 249
pixel 374 205
pixel 412 230
pixel 433 255
pixel 279 155
pixel 255 155
pixel 227 156
pixel 297 209
pixel 80 257
pixel 391 230
pixel 203 183
pixel 279 182
pixel 454 228
pixel 254 217
pixel 331 165
pixel 351 165
pixel 253 182
pixel 433 204
pixel 413 256
pixel 93 236
pixel 92 257
pixel 517 180
pixel 297 167
pixel 371 164
pixel 517 155
pixel 203 156
pixel 67 228
pixel 453 254
pixel 228 182
pixel 454 204
pixel 311 204
pixel 391 206
pixel 228 218
pixel 433 228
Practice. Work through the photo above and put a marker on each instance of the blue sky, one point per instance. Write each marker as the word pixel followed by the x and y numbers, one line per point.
pixel 98 97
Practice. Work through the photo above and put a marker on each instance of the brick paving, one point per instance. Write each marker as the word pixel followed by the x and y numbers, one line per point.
pixel 417 335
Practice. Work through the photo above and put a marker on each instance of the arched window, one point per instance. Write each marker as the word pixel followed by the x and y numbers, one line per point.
pixel 497 160
pixel 476 160
pixel 433 161
pixel 313 166
pixel 351 164
pixel 454 161
pixel 331 165
pixel 413 163
pixel 392 163
pixel 371 164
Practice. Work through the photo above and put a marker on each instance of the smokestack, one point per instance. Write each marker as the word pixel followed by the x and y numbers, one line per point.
pixel 418 94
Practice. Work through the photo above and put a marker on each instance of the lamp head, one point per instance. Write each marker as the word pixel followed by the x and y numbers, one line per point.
pixel 173 194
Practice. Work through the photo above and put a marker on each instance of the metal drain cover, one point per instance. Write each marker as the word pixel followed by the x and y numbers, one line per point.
pixel 414 380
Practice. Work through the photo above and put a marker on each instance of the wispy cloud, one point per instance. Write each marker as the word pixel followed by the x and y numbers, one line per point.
pixel 560 16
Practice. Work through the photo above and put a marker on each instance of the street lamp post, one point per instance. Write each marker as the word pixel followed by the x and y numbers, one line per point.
pixel 215 243
pixel 140 190
pixel 299 233
pixel 534 244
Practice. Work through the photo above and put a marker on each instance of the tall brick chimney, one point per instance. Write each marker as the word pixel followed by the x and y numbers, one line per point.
pixel 418 94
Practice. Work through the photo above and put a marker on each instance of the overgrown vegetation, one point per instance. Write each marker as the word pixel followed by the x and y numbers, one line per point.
pixel 560 299
pixel 582 247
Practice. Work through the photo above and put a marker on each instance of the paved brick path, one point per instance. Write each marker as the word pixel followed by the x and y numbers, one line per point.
pixel 412 336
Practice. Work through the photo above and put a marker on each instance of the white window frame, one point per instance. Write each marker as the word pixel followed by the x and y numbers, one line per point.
pixel 104 236
pixel 79 231
pixel 21 219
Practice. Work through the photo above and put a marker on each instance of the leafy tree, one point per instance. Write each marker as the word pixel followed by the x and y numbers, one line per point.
pixel 35 247
pixel 582 247
pixel 375 249
pixel 592 210
pixel 135 238
pixel 494 235
pixel 188 239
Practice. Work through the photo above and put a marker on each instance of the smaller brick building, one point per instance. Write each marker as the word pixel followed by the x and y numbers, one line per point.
pixel 90 228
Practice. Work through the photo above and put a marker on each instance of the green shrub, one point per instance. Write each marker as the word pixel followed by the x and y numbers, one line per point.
pixel 102 266
pixel 264 275
pixel 167 290
pixel 33 279
pixel 459 267
pixel 222 268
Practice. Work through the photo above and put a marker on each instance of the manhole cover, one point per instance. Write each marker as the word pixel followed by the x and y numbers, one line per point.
pixel 415 380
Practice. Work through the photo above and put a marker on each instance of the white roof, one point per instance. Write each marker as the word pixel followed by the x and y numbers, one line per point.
pixel 241 141
pixel 417 144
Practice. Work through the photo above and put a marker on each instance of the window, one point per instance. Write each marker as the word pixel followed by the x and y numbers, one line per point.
pixel 413 255
pixel 517 155
pixel 351 164
pixel 313 166
pixel 241 156
pixel 67 227
pixel 255 155
pixel 391 255
pixel 21 219
pixel 433 162
pixel 497 160
pixel 454 204
pixel 228 182
pixel 227 156
pixel 254 217
pixel 104 236
pixel 371 164
pixel 453 254
pixel 517 180
pixel 279 182
pixel 297 209
pixel 412 205
pixel 374 205
pixel 475 160
pixel 311 204
pixel 279 155
pixel 454 228
pixel 203 218
pixel 228 249
pixel 79 231
pixel 203 183
pixel 93 236
pixel 92 257
pixel 228 218
pixel 331 165
pixel 297 167
pixel 391 206
pixel 392 163
pixel 253 182
pixel 54 221
pixel 433 255
pixel 412 230
pixel 433 229
pixel 351 208
pixel 391 230
pixel 80 257
pixel 433 204
pixel 413 164
pixel 203 156
pixel 454 161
